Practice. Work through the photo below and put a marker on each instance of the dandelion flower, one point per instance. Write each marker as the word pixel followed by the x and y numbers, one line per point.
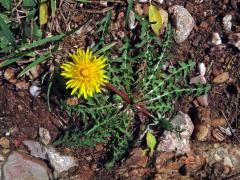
pixel 85 73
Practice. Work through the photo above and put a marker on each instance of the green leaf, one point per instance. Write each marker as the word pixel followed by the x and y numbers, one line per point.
pixel 5 18
pixel 27 31
pixel 130 6
pixel 31 14
pixel 53 7
pixel 15 57
pixel 105 48
pixel 3 42
pixel 29 4
pixel 7 33
pixel 151 142
pixel 40 59
pixel 37 32
pixel 7 4
pixel 155 18
pixel 10 61
pixel 42 41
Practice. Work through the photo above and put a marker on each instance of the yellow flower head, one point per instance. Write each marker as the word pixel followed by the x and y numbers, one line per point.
pixel 86 73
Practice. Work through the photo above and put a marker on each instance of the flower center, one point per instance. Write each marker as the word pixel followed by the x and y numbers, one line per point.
pixel 84 72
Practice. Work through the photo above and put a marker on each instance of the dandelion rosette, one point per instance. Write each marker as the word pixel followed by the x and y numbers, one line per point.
pixel 86 73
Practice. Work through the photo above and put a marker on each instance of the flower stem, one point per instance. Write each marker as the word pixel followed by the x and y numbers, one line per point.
pixel 125 97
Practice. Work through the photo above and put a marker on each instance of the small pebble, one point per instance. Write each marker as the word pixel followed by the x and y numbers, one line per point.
pixel 221 78
pixel 34 90
pixel 9 75
pixel 4 142
pixel 216 40
pixel 201 132
pixel 234 39
pixel 72 101
pixel 44 136
pixel 227 24
pixel 198 80
pixel 203 100
pixel 202 68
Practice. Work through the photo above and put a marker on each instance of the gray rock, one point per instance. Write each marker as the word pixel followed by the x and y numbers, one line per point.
pixel 170 142
pixel 183 22
pixel 59 163
pixel 36 149
pixel 20 166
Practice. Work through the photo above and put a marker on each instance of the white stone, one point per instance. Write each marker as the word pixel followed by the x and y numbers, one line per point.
pixel 202 69
pixel 34 90
pixel 216 40
pixel 227 24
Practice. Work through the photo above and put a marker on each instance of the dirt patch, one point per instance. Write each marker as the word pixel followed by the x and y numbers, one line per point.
pixel 19 111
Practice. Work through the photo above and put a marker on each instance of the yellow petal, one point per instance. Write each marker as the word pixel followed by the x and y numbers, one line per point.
pixel 85 84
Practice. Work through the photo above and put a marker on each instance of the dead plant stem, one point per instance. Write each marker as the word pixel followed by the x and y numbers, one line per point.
pixel 125 97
